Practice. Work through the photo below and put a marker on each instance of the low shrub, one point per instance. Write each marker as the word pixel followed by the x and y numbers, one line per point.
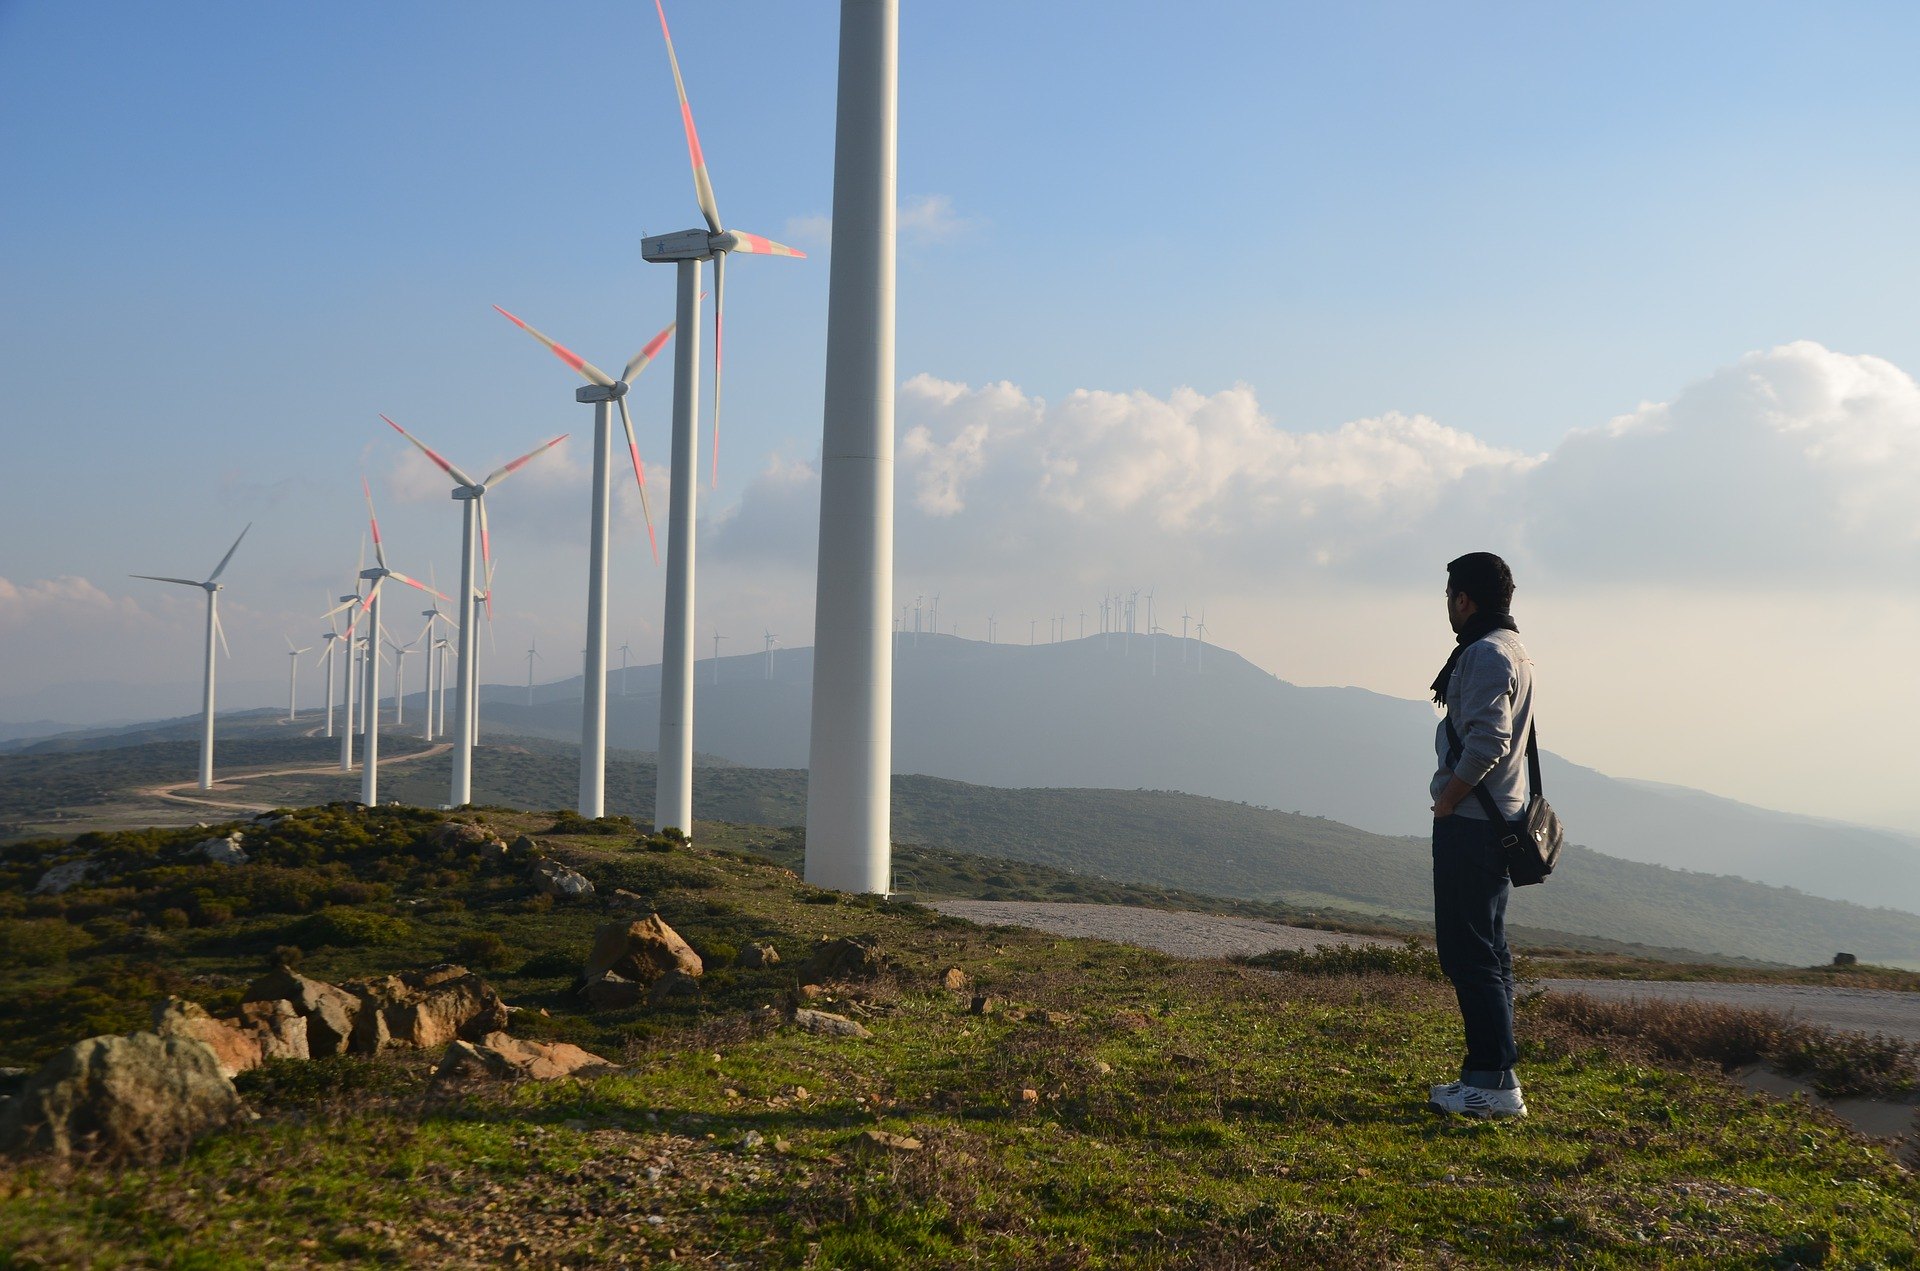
pixel 40 941
pixel 345 928
pixel 302 1083
pixel 1411 958
pixel 482 949
pixel 550 963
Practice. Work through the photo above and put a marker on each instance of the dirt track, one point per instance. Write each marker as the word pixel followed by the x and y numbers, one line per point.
pixel 1191 935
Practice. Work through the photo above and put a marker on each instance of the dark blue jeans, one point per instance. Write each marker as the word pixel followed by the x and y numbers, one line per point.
pixel 1470 930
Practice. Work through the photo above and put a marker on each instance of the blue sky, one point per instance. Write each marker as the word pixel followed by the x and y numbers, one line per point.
pixel 235 232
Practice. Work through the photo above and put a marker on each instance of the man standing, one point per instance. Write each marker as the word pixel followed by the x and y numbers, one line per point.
pixel 1487 690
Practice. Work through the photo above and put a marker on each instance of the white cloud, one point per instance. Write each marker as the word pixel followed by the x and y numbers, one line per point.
pixel 921 219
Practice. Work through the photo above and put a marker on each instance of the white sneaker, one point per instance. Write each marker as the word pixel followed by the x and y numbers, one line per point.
pixel 1457 1099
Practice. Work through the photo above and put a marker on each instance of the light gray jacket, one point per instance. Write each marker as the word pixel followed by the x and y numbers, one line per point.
pixel 1490 700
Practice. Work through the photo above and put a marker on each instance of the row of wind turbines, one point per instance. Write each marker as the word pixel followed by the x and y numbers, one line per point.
pixel 688 251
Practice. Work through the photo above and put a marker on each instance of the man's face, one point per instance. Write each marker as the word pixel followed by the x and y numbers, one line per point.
pixel 1460 607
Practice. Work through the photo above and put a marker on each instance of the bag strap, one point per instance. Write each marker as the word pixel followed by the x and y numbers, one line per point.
pixel 1455 745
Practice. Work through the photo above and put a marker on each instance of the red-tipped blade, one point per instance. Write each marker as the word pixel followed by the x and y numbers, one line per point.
pixel 702 184
pixel 379 553
pixel 424 449
pixel 414 583
pixel 506 470
pixel 640 475
pixel 486 554
pixel 638 362
pixel 592 373
pixel 719 349
pixel 755 245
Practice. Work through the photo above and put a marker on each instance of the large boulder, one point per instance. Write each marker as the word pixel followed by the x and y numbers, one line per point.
pixel 234 1049
pixel 641 951
pixel 328 1010
pixel 63 877
pixel 759 955
pixel 469 837
pixel 279 1028
pixel 222 851
pixel 513 1058
pixel 562 882
pixel 425 1009
pixel 140 1096
pixel 841 958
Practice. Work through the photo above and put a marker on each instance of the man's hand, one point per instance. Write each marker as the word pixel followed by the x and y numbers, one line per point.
pixel 1450 797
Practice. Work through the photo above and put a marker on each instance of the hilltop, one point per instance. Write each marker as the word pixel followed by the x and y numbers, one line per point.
pixel 1109 1106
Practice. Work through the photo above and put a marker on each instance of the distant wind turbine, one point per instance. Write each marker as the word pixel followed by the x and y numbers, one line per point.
pixel 717 638
pixel 471 495
pixel 532 653
pixel 293 676
pixel 212 587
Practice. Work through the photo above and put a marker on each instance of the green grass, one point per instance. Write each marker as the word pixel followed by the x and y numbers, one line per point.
pixel 1185 1114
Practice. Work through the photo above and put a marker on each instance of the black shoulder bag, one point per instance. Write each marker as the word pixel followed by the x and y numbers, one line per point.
pixel 1532 844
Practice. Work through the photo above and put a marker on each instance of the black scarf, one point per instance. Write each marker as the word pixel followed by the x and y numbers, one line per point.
pixel 1477 626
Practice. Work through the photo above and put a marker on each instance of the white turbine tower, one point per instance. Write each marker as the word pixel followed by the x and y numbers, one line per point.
pixel 350 654
pixel 293 677
pixel 370 692
pixel 471 495
pixel 770 640
pixel 328 639
pixel 686 251
pixel 626 651
pixel 848 796
pixel 212 587
pixel 602 389
pixel 532 653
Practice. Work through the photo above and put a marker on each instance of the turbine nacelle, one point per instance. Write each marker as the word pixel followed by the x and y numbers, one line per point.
pixel 688 244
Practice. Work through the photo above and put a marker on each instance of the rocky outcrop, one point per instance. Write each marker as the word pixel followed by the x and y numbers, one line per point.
pixel 641 951
pixel 140 1096
pixel 755 956
pixel 329 1011
pixel 235 1049
pixel 222 851
pixel 279 1028
pixel 63 877
pixel 562 882
pixel 842 958
pixel 469 837
pixel 512 1058
pixel 425 1009
pixel 610 992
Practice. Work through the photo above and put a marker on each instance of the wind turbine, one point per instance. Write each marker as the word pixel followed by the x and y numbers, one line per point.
pixel 212 587
pixel 328 639
pixel 626 650
pixel 370 694
pixel 686 250
pixel 532 653
pixel 851 743
pixel 770 639
pixel 293 673
pixel 471 495
pixel 601 390
pixel 493 646
pixel 717 638
pixel 1200 652
pixel 351 654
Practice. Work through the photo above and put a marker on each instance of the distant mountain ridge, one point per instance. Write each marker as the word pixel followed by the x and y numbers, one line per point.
pixel 1099 713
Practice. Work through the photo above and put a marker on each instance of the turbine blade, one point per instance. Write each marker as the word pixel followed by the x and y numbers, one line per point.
pixel 366 601
pixel 222 633
pixel 506 470
pixel 489 596
pixel 593 373
pixel 719 346
pixel 424 631
pixel 379 552
pixel 290 647
pixel 640 475
pixel 702 184
pixel 229 556
pixel 342 607
pixel 426 450
pixel 638 362
pixel 325 653
pixel 756 245
pixel 185 582
pixel 415 583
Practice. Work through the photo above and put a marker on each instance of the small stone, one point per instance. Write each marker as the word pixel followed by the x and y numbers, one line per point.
pixel 759 955
pixel 222 851
pixel 830 1025
pixel 843 958
pixel 782 1146
pixel 610 992
pixel 1052 1018
pixel 655 1173
pixel 887 1141
pixel 562 882
pixel 954 980
pixel 752 1139
pixel 1029 1095
pixel 812 991
pixel 981 1004
pixel 1102 1067
pixel 800 1092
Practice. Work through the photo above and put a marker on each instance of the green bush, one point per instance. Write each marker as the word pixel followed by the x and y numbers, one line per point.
pixel 550 963
pixel 40 941
pixel 345 928
pixel 1411 958
pixel 482 949
pixel 716 953
pixel 292 1083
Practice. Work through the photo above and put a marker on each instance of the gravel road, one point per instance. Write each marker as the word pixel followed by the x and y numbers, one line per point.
pixel 1191 935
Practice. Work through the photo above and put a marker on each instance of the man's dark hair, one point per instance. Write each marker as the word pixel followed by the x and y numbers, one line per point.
pixel 1484 578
